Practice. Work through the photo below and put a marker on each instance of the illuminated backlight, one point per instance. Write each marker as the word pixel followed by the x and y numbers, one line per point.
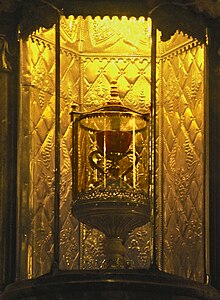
pixel 94 52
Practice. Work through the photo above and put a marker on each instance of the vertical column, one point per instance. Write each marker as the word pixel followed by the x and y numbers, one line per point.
pixel 8 112
pixel 56 232
pixel 153 140
pixel 214 150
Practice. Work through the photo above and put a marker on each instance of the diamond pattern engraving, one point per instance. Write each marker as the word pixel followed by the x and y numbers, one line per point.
pixel 133 79
pixel 183 171
pixel 38 130
pixel 89 63
pixel 85 80
pixel 133 83
pixel 39 205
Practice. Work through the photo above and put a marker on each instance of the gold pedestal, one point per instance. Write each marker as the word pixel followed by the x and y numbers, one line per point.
pixel 115 210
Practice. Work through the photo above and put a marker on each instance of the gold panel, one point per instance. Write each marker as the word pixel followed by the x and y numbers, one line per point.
pixel 182 165
pixel 85 79
pixel 93 52
pixel 37 136
pixel 36 177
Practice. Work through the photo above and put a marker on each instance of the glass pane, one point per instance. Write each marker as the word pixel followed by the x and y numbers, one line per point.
pixel 93 53
pixel 181 123
pixel 36 162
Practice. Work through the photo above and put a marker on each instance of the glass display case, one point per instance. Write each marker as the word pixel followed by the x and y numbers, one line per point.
pixel 111 173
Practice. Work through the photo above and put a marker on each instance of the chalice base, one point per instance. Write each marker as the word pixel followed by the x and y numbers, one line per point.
pixel 115 210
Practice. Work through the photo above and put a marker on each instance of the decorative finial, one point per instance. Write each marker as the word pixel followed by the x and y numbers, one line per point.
pixel 114 100
pixel 73 112
pixel 74 106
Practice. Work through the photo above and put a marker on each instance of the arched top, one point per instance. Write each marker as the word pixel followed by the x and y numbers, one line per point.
pixel 168 16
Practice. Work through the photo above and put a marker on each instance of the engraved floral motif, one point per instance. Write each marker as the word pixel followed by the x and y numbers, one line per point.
pixel 89 82
pixel 183 193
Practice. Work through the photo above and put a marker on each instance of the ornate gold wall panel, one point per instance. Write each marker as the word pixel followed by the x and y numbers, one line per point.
pixel 182 146
pixel 93 52
pixel 107 36
pixel 99 65
pixel 36 222
pixel 85 79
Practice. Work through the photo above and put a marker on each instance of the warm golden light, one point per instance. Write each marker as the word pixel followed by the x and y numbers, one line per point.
pixel 93 53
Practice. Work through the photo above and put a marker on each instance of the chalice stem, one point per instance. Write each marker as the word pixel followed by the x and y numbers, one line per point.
pixel 115 253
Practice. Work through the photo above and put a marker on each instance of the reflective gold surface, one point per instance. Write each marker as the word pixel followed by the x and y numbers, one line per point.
pixel 182 159
pixel 94 52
